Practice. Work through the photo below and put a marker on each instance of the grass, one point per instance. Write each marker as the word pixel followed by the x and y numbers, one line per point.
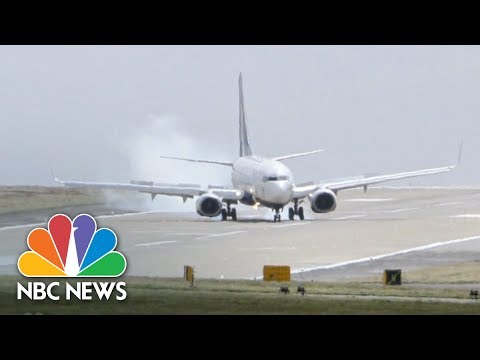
pixel 175 296
pixel 453 274
pixel 15 199
pixel 463 273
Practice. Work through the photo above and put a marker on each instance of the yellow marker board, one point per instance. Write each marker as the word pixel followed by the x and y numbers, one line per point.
pixel 276 273
pixel 188 273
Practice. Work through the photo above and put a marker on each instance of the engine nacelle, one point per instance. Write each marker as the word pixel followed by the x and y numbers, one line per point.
pixel 209 205
pixel 323 201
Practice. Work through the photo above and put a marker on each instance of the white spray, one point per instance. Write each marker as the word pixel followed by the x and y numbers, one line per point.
pixel 160 135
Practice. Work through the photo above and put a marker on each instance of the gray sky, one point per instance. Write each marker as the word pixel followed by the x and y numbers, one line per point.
pixel 106 112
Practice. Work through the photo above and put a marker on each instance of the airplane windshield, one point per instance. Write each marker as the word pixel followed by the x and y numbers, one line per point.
pixel 274 178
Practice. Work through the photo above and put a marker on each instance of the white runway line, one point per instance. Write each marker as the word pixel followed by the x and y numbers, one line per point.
pixel 166 232
pixel 349 217
pixel 127 214
pixel 96 217
pixel 399 210
pixel 157 243
pixel 427 187
pixel 185 233
pixel 287 225
pixel 377 257
pixel 269 248
pixel 368 200
pixel 450 203
pixel 469 216
pixel 23 226
pixel 221 234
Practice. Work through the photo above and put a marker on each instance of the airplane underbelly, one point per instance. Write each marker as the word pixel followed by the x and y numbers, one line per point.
pixel 273 193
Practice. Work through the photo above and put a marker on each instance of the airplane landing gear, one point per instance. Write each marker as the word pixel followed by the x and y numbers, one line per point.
pixel 277 216
pixel 226 213
pixel 295 211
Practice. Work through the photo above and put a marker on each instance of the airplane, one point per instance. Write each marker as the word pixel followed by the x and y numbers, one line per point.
pixel 258 181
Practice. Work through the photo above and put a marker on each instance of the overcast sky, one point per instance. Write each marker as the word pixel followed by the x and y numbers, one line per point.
pixel 106 113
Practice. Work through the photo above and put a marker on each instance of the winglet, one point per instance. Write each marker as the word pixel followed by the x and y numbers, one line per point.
pixel 459 154
pixel 53 175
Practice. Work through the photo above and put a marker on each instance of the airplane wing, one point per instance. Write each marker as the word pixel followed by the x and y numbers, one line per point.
pixel 349 184
pixel 302 191
pixel 182 190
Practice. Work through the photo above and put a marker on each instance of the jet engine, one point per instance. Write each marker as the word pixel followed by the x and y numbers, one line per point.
pixel 209 205
pixel 323 201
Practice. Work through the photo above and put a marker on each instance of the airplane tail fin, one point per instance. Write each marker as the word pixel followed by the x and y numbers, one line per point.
pixel 245 149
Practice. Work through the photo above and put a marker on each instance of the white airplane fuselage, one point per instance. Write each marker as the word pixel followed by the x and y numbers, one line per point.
pixel 269 181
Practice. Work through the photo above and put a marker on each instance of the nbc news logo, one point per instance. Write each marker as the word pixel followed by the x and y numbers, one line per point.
pixel 72 249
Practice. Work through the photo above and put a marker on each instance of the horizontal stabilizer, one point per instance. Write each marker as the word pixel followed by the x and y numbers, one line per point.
pixel 297 155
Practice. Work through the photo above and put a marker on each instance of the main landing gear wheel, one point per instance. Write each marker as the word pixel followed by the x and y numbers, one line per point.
pixel 300 213
pixel 226 213
pixel 291 213
pixel 296 211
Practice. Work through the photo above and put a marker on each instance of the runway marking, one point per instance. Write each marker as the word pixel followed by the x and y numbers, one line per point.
pixel 369 200
pixel 165 232
pixel 349 217
pixel 270 248
pixel 450 203
pixel 399 210
pixel 186 233
pixel 427 187
pixel 471 216
pixel 22 226
pixel 128 214
pixel 287 225
pixel 221 234
pixel 377 257
pixel 96 217
pixel 157 243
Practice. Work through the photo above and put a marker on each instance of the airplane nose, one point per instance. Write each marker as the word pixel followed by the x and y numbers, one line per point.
pixel 278 192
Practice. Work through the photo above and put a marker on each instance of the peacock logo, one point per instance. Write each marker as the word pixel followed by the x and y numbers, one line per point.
pixel 72 249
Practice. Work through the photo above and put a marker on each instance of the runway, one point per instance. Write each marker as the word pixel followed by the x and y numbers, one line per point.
pixel 365 235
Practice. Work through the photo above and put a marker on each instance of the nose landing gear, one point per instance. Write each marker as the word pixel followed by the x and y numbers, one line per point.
pixel 226 213
pixel 277 216
pixel 295 211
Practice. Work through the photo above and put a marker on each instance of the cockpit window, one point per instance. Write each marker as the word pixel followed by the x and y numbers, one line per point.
pixel 274 178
